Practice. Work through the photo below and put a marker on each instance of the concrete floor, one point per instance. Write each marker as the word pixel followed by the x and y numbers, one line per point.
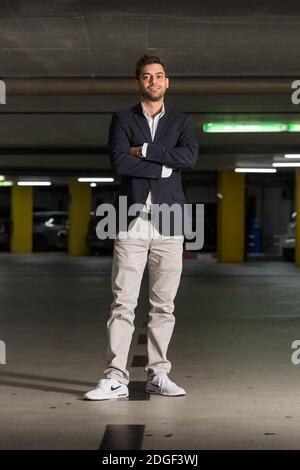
pixel 231 350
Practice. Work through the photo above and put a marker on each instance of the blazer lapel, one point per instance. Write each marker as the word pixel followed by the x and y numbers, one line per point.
pixel 163 124
pixel 142 122
pixel 144 126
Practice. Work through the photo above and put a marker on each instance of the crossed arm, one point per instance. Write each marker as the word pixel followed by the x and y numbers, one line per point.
pixel 125 160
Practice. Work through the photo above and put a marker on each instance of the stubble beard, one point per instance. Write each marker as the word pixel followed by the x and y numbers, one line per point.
pixel 150 97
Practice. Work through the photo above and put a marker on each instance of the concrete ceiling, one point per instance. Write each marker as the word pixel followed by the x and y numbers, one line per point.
pixel 92 38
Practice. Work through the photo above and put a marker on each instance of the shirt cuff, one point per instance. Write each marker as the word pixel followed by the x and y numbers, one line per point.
pixel 166 172
pixel 144 150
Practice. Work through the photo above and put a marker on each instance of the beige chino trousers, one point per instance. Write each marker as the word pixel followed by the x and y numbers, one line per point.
pixel 132 251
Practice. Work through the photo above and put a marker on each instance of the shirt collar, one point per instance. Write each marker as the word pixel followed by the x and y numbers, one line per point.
pixel 147 115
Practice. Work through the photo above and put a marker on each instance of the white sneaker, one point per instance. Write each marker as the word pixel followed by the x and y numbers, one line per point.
pixel 162 385
pixel 107 389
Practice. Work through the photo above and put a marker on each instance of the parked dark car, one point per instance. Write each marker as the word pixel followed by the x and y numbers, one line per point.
pixel 50 230
pixel 5 228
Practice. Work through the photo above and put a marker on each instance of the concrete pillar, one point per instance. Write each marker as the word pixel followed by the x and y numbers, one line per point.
pixel 21 211
pixel 231 217
pixel 79 216
pixel 297 209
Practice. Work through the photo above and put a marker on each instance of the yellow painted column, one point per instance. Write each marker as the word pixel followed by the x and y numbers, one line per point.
pixel 21 211
pixel 297 209
pixel 231 217
pixel 79 216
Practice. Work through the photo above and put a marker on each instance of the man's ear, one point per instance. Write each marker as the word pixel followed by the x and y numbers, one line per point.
pixel 167 82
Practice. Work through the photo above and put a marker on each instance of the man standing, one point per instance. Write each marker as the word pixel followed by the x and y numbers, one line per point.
pixel 149 145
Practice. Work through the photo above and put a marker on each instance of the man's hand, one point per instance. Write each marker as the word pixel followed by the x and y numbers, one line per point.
pixel 134 151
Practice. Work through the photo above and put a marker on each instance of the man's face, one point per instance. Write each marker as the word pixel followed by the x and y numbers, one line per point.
pixel 153 82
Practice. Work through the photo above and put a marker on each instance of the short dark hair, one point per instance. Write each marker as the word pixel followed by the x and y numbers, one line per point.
pixel 145 60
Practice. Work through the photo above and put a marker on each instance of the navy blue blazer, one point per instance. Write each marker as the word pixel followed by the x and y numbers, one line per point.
pixel 174 145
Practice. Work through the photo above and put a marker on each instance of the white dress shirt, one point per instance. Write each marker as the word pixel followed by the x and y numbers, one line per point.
pixel 166 171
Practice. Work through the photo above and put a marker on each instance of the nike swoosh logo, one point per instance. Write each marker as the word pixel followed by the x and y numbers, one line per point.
pixel 115 388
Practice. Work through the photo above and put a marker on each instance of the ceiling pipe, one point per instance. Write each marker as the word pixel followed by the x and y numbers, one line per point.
pixel 125 86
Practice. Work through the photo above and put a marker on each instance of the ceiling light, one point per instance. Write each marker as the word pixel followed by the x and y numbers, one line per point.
pixel 293 127
pixel 244 127
pixel 34 183
pixel 286 164
pixel 255 170
pixel 96 180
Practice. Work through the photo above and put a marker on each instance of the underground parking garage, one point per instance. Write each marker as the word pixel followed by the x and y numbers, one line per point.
pixel 154 343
